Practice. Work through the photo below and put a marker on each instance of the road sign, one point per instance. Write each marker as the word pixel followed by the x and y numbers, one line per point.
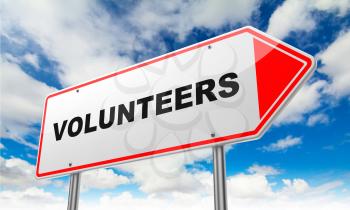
pixel 222 90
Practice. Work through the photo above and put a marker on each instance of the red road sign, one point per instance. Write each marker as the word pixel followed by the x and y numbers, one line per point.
pixel 223 90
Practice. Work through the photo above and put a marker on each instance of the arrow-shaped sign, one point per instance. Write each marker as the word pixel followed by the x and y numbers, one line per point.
pixel 223 90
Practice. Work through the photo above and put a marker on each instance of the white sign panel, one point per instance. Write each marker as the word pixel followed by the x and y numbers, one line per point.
pixel 222 90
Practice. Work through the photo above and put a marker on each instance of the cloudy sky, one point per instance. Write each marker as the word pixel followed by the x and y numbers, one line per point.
pixel 302 162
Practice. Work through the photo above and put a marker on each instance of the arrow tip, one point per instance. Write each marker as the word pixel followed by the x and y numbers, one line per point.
pixel 275 71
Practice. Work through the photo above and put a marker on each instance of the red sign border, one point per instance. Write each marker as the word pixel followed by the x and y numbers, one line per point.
pixel 254 134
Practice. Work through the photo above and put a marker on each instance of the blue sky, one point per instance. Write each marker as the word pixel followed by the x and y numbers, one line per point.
pixel 301 162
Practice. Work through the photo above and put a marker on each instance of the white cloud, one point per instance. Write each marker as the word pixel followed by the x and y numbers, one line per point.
pixel 338 6
pixel 263 170
pixel 8 133
pixel 168 173
pixel 80 36
pixel 282 21
pixel 212 14
pixel 30 199
pixel 32 59
pixel 317 119
pixel 295 15
pixel 179 201
pixel 181 16
pixel 249 186
pixel 295 186
pixel 326 187
pixel 336 66
pixel 202 203
pixel 101 179
pixel 333 58
pixel 18 173
pixel 299 188
pixel 22 99
pixel 250 192
pixel 306 100
pixel 10 58
pixel 164 174
pixel 245 191
pixel 283 144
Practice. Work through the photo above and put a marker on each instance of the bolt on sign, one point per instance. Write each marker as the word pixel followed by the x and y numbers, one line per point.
pixel 223 90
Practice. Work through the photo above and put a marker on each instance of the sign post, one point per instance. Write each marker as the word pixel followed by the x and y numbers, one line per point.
pixel 233 84
pixel 220 197
pixel 74 189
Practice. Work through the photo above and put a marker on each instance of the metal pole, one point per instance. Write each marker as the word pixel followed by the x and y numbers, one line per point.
pixel 74 186
pixel 220 200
